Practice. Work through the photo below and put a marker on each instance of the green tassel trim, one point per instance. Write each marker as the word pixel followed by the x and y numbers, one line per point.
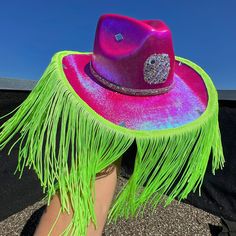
pixel 171 162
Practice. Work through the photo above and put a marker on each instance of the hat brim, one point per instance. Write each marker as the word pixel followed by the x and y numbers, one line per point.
pixel 184 103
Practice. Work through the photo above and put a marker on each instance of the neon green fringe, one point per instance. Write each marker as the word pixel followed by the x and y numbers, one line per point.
pixel 171 162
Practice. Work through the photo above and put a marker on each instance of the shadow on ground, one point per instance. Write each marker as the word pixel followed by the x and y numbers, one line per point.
pixel 32 223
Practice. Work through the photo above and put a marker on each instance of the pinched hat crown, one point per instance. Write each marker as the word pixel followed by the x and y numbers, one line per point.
pixel 133 56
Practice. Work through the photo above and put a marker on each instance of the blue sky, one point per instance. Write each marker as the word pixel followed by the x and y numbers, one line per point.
pixel 32 31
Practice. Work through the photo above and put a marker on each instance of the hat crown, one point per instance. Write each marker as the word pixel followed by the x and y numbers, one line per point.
pixel 133 56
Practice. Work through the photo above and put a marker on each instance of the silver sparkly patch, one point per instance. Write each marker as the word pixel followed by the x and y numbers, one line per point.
pixel 156 68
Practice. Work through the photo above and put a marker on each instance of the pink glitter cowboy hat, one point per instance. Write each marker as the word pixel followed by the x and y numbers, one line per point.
pixel 132 87
pixel 132 77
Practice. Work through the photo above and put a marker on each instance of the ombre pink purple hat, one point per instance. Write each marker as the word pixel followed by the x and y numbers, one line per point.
pixel 132 87
pixel 133 79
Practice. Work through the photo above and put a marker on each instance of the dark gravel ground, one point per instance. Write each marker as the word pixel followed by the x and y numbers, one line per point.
pixel 178 219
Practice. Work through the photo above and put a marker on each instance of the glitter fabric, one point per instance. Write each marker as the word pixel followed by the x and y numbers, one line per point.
pixel 184 103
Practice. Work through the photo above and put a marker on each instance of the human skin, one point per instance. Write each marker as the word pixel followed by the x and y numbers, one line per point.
pixel 105 185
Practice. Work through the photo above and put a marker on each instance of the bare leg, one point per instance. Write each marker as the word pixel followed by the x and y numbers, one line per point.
pixel 105 185
pixel 49 217
pixel 105 188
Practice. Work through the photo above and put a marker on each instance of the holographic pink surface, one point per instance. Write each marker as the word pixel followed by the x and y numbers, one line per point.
pixel 182 104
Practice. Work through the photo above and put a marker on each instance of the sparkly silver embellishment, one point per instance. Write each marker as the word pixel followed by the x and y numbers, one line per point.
pixel 122 124
pixel 119 37
pixel 156 68
pixel 129 91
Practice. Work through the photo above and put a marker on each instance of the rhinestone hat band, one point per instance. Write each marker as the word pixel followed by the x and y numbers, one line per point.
pixel 125 90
